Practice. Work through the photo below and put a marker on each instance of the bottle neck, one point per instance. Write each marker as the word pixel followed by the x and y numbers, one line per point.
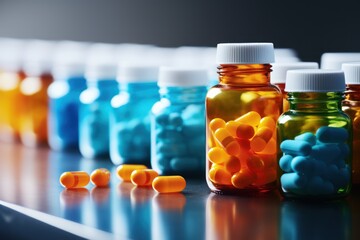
pixel 147 89
pixel 244 74
pixel 352 92
pixel 184 94
pixel 315 101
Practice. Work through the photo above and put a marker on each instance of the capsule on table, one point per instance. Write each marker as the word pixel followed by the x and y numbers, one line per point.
pixel 124 171
pixel 100 177
pixel 143 177
pixel 77 179
pixel 169 184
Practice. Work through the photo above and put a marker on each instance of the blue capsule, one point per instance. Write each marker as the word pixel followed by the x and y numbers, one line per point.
pixel 332 134
pixel 325 152
pixel 162 119
pixel 317 186
pixel 175 120
pixel 296 147
pixel 307 137
pixel 285 163
pixel 301 164
pixel 293 182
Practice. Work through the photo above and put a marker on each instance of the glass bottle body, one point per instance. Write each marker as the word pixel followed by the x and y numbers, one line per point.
pixel 94 118
pixel 130 123
pixel 178 131
pixel 315 147
pixel 241 112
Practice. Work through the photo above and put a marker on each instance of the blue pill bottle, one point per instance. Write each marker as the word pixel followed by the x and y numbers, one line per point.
pixel 315 136
pixel 178 122
pixel 130 114
pixel 63 93
pixel 95 109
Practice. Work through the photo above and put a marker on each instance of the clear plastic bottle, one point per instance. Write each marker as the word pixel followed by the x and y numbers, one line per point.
pixel 11 74
pixel 241 112
pixel 315 136
pixel 38 60
pixel 178 124
pixel 95 108
pixel 63 93
pixel 351 106
pixel 130 114
pixel 278 76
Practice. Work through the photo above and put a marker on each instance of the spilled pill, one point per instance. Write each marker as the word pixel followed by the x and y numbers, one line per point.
pixel 169 184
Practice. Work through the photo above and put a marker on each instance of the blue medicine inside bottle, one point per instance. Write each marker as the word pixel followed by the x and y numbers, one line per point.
pixel 178 122
pixel 64 104
pixel 95 108
pixel 130 114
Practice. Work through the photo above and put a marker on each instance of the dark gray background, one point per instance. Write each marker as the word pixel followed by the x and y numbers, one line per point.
pixel 310 27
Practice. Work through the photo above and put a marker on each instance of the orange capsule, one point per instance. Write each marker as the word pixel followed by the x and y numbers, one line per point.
pixel 219 175
pixel 216 123
pixel 255 163
pixel 124 171
pixel 268 122
pixel 243 178
pixel 253 118
pixel 100 177
pixel 74 179
pixel 232 165
pixel 261 138
pixel 240 130
pixel 266 177
pixel 143 177
pixel 169 184
pixel 224 138
pixel 218 155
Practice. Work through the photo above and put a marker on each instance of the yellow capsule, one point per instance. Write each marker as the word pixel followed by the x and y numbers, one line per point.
pixel 74 179
pixel 224 138
pixel 219 175
pixel 169 184
pixel 143 177
pixel 218 155
pixel 268 122
pixel 100 177
pixel 243 178
pixel 124 171
pixel 261 138
pixel 240 130
pixel 216 123
pixel 252 118
pixel 232 165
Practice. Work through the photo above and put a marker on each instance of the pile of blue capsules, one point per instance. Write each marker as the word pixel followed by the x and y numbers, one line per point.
pixel 315 164
pixel 180 139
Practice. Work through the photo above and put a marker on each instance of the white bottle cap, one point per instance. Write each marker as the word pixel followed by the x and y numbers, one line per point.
pixel 70 59
pixel 285 55
pixel 245 53
pixel 137 73
pixel 334 60
pixel 315 80
pixel 352 72
pixel 278 74
pixel 11 54
pixel 182 77
pixel 38 57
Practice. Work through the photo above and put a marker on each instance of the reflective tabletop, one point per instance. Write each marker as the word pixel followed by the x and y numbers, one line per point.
pixel 31 198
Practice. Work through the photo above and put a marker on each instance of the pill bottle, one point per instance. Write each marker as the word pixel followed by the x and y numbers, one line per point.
pixel 241 112
pixel 315 136
pixel 95 107
pixel 63 93
pixel 351 106
pixel 37 63
pixel 130 114
pixel 278 76
pixel 11 74
pixel 178 122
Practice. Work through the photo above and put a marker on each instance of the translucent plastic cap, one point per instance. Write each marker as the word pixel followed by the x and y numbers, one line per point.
pixel 182 77
pixel 315 80
pixel 278 74
pixel 245 53
pixel 132 73
pixel 335 60
pixel 352 72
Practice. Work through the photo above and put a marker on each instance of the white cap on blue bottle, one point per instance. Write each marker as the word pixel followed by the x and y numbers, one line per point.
pixel 137 73
pixel 352 72
pixel 245 53
pixel 182 77
pixel 315 80
pixel 336 59
pixel 38 57
pixel 278 74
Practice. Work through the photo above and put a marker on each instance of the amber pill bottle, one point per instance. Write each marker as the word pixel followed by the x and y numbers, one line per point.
pixel 351 106
pixel 241 112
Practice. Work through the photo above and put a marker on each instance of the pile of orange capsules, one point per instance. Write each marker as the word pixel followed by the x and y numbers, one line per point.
pixel 243 153
pixel 139 175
